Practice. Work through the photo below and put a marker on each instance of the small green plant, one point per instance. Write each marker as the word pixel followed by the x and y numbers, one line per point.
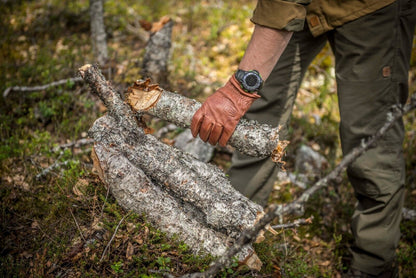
pixel 117 267
pixel 163 263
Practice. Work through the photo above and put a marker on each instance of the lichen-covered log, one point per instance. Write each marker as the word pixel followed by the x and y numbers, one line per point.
pixel 250 138
pixel 135 191
pixel 200 185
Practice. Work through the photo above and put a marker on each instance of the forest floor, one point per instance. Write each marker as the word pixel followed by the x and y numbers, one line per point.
pixel 60 223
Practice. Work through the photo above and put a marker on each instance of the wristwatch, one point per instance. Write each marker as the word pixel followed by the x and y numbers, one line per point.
pixel 250 81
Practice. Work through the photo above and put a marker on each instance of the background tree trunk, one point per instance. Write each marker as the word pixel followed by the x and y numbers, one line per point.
pixel 98 35
pixel 157 52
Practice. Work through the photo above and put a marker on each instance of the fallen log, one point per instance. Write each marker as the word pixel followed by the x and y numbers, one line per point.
pixel 135 191
pixel 250 138
pixel 202 185
pixel 202 190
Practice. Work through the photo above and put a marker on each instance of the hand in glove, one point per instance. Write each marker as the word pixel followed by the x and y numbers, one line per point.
pixel 219 115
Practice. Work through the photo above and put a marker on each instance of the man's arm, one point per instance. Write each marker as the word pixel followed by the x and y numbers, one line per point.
pixel 217 118
pixel 264 49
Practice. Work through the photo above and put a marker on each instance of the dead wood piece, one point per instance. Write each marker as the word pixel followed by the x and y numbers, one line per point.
pixel 136 192
pixel 202 186
pixel 250 138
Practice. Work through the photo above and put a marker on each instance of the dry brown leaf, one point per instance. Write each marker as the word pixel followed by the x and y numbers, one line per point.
pixel 253 262
pixel 146 25
pixel 19 181
pixel 79 187
pixel 168 141
pixel 129 251
pixel 130 227
pixel 146 232
pixel 325 263
pixel 138 239
pixel 296 238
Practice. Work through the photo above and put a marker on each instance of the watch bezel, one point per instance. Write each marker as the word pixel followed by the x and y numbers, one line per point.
pixel 242 75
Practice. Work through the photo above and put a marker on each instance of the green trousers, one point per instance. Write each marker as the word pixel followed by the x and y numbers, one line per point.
pixel 371 62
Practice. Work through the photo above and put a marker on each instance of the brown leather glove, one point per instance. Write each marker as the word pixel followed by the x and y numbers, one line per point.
pixel 218 116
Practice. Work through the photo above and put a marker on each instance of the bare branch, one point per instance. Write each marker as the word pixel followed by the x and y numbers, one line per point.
pixel 42 87
pixel 76 144
pixel 294 224
pixel 55 165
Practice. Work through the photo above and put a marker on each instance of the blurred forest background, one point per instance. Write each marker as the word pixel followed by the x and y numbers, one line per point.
pixel 58 222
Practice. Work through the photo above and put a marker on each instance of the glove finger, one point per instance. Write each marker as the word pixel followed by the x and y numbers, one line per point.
pixel 226 134
pixel 197 120
pixel 206 128
pixel 215 134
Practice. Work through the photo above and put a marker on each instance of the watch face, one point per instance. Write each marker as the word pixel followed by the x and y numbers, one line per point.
pixel 251 81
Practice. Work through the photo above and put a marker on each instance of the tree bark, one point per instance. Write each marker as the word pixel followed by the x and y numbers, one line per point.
pixel 203 190
pixel 98 35
pixel 250 138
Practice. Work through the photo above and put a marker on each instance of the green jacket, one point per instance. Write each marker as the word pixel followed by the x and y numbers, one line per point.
pixel 321 15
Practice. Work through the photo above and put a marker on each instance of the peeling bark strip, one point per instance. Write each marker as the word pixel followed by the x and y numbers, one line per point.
pixel 250 138
pixel 202 189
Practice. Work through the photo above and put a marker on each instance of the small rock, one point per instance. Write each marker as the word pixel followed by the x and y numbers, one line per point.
pixel 195 146
pixel 309 161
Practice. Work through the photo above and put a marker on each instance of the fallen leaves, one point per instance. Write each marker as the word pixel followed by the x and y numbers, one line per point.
pixel 18 181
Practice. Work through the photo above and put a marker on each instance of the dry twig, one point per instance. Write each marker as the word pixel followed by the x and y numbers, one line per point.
pixel 114 235
pixel 294 224
pixel 55 165
pixel 76 223
pixel 76 144
pixel 41 87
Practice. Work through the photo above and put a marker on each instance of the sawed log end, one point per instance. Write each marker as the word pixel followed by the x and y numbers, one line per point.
pixel 142 96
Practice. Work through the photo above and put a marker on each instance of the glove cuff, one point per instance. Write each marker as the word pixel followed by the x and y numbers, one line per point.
pixel 234 82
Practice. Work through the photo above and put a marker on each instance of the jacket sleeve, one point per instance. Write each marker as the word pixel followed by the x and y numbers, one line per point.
pixel 286 15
